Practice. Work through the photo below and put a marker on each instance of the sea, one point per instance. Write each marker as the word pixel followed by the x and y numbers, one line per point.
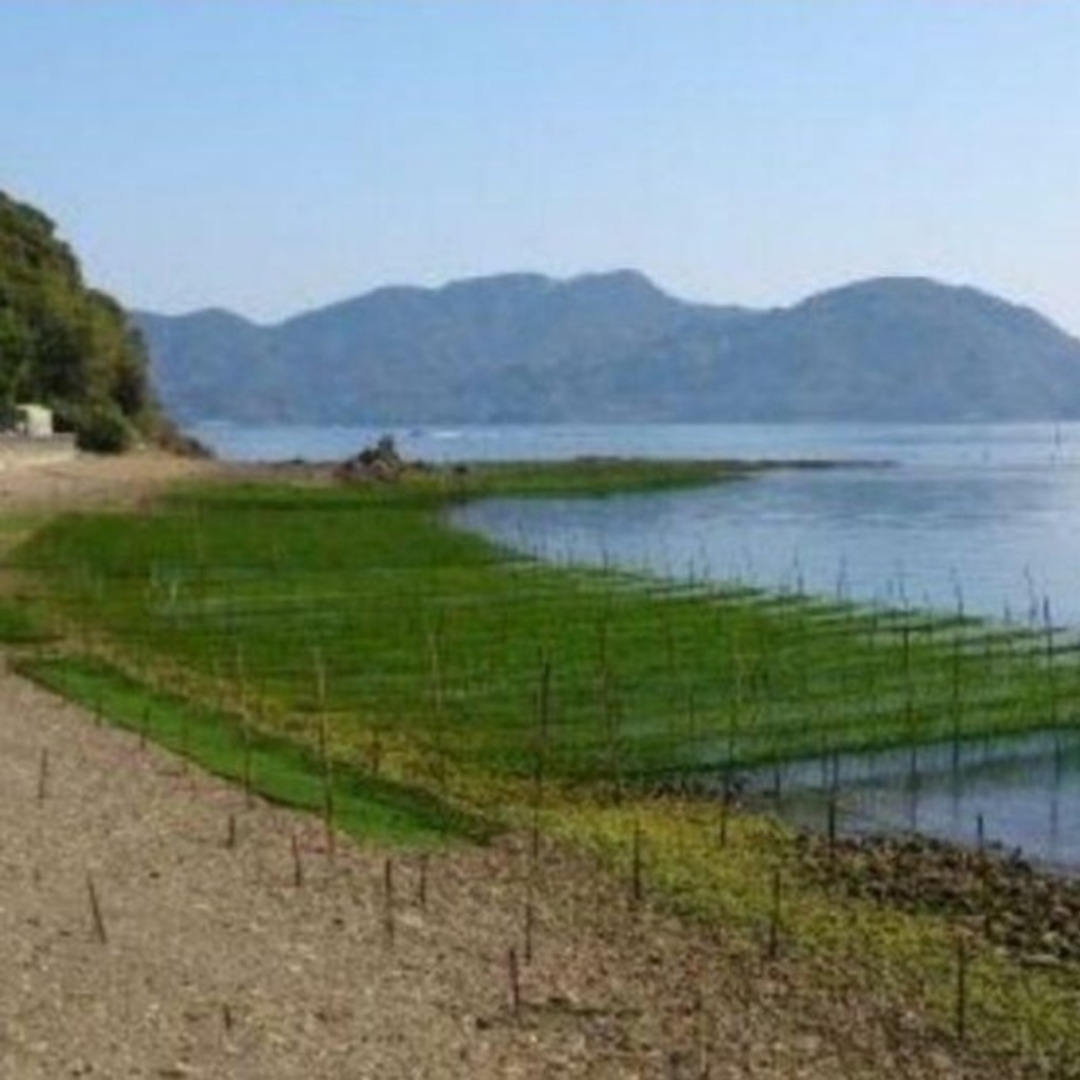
pixel 982 519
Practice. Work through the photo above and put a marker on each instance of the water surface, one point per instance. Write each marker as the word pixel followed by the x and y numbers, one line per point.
pixel 1018 794
pixel 980 517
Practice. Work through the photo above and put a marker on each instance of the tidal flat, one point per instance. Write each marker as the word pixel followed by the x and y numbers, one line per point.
pixel 351 620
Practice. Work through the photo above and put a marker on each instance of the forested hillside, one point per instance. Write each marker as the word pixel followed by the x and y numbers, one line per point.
pixel 64 344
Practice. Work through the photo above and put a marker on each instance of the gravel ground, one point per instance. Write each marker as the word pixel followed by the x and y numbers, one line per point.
pixel 211 961
pixel 152 925
pixel 29 485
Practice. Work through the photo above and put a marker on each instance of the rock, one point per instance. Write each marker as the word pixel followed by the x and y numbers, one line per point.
pixel 1030 914
pixel 381 463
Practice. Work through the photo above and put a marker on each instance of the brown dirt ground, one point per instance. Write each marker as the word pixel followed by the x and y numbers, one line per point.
pixel 214 962
pixel 86 479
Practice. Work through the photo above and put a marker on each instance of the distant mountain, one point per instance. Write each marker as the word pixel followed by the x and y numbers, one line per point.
pixel 614 347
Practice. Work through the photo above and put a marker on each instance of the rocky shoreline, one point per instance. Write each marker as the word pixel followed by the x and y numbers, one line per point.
pixel 1032 914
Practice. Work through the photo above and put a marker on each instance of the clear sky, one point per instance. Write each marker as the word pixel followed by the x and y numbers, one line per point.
pixel 274 155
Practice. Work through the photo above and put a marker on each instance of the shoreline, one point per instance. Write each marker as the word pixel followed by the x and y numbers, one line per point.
pixel 596 1000
pixel 1011 902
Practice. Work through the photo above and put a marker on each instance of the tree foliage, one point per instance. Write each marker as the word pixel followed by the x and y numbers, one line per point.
pixel 63 344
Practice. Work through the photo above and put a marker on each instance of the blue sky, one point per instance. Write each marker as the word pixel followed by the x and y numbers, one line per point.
pixel 274 155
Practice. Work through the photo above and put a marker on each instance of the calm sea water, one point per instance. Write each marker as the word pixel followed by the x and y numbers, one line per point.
pixel 980 517
pixel 1013 794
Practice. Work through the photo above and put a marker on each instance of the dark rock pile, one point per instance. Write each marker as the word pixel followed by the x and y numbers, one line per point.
pixel 1033 915
pixel 381 463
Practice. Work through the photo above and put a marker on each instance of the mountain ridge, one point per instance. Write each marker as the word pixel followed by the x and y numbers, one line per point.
pixel 615 346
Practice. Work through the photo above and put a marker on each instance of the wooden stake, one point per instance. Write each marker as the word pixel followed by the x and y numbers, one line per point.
pixel 298 864
pixel 95 911
pixel 702 1036
pixel 534 841
pixel 774 918
pixel 375 753
pixel 434 648
pixel 725 809
pixel 43 775
pixel 388 899
pixel 320 678
pixel 245 731
pixel 515 980
pixel 421 889
pixel 185 738
pixel 636 864
pixel 328 788
pixel 540 750
pixel 530 918
pixel 961 989
pixel 328 815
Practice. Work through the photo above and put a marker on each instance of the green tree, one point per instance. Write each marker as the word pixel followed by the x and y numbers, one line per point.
pixel 66 345
pixel 16 354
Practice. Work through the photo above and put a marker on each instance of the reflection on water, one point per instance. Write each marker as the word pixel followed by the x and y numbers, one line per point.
pixel 1020 793
pixel 999 542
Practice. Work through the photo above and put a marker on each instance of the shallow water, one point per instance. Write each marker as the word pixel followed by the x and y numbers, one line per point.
pixel 980 517
pixel 1012 794
pixel 995 542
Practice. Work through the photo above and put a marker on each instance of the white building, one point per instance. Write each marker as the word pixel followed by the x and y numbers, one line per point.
pixel 35 421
